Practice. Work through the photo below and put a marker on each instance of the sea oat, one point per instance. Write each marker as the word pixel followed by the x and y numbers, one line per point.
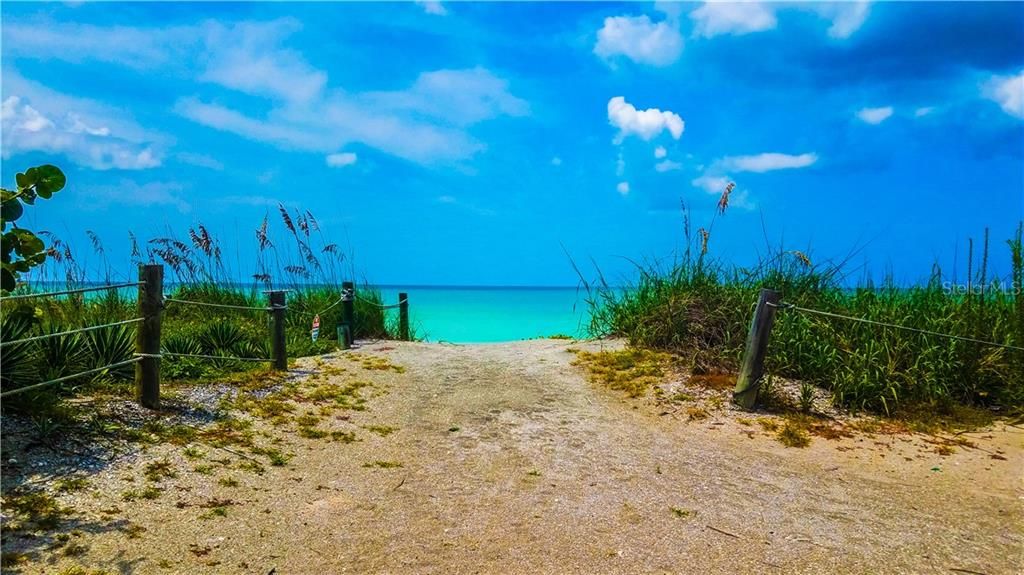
pixel 723 202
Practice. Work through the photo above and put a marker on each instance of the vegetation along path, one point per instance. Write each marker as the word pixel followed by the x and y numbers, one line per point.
pixel 506 458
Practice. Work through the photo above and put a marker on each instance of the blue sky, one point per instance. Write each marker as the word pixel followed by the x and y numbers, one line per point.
pixel 466 143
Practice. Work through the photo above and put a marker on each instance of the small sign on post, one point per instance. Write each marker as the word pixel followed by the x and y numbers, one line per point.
pixel 315 332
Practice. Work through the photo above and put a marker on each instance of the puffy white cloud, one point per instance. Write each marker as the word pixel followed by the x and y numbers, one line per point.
pixel 640 40
pixel 341 160
pixel 660 152
pixel 874 116
pixel 667 166
pixel 738 18
pixel 432 7
pixel 717 18
pixel 623 188
pixel 645 124
pixel 923 111
pixel 1008 92
pixel 767 162
pixel 556 161
pixel 40 120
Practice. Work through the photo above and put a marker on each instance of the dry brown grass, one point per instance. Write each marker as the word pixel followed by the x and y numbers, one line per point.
pixel 631 370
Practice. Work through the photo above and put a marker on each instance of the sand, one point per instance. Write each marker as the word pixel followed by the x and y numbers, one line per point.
pixel 511 461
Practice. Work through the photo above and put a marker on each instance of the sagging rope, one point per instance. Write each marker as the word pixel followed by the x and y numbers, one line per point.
pixel 72 376
pixel 71 332
pixel 201 356
pixel 785 306
pixel 70 291
pixel 222 305
pixel 382 306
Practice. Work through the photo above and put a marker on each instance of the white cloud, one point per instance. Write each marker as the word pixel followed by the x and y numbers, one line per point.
pixel 667 166
pixel 422 124
pixel 341 160
pixel 620 165
pixel 738 18
pixel 201 160
pixel 711 184
pixel 847 17
pixel 640 40
pixel 923 111
pixel 45 121
pixel 715 185
pixel 131 193
pixel 425 123
pixel 556 161
pixel 1008 92
pixel 78 126
pixel 459 97
pixel 623 188
pixel 767 162
pixel 645 124
pixel 717 18
pixel 247 57
pixel 660 152
pixel 432 7
pixel 874 116
pixel 446 199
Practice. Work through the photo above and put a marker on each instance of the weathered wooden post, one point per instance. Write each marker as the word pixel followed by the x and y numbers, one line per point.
pixel 752 368
pixel 278 306
pixel 348 312
pixel 147 339
pixel 403 316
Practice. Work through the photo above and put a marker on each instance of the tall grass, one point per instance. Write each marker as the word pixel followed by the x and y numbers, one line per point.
pixel 294 256
pixel 700 308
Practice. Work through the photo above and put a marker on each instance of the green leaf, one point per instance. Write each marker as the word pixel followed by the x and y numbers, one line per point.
pixel 27 243
pixel 49 180
pixel 11 210
pixel 25 180
pixel 7 281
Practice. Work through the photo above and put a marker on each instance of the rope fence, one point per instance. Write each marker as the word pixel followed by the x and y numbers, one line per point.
pixel 69 292
pixel 72 376
pixel 217 305
pixel 201 356
pixel 71 332
pixel 789 306
pixel 383 306
pixel 148 349
pixel 769 301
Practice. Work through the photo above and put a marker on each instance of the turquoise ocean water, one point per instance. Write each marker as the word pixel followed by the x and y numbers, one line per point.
pixel 491 314
pixel 460 314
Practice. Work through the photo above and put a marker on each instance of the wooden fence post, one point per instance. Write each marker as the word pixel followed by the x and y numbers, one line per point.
pixel 752 368
pixel 147 339
pixel 278 306
pixel 403 316
pixel 348 311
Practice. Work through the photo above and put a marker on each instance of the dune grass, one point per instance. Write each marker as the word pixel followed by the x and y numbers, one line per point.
pixel 300 260
pixel 700 309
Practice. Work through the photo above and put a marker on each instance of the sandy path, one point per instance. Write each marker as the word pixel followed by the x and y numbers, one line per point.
pixel 547 473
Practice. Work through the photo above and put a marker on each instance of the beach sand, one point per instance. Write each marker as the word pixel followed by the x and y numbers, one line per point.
pixel 504 458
